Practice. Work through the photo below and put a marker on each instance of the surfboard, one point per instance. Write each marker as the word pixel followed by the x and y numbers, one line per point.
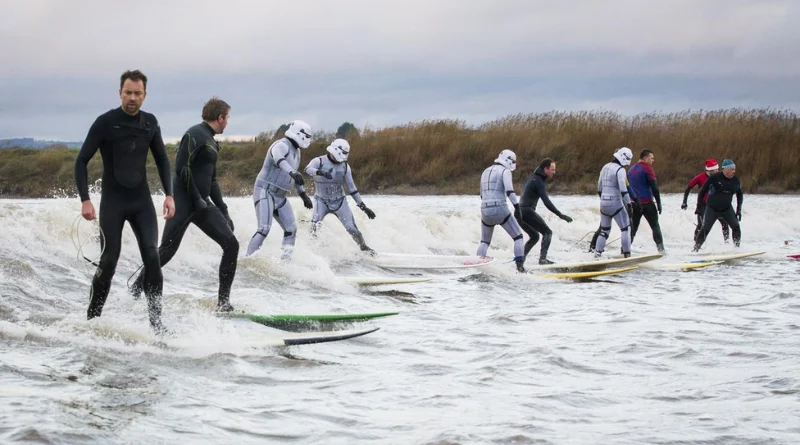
pixel 366 281
pixel 429 262
pixel 307 338
pixel 299 323
pixel 727 257
pixel 680 266
pixel 794 256
pixel 592 274
pixel 597 265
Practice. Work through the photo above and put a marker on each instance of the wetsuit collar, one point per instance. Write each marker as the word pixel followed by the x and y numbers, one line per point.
pixel 539 172
pixel 210 128
pixel 294 144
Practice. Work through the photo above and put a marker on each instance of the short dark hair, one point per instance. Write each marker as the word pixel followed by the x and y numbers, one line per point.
pixel 645 153
pixel 214 108
pixel 545 163
pixel 134 76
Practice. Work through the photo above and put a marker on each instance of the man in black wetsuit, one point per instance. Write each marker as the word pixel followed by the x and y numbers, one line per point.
pixel 124 135
pixel 199 199
pixel 720 188
pixel 528 219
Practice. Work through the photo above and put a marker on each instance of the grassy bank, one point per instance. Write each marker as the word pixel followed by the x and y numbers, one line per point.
pixel 447 157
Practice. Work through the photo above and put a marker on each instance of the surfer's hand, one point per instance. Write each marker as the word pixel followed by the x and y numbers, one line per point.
pixel 87 210
pixel 325 173
pixel 684 206
pixel 630 209
pixel 739 214
pixel 306 200
pixel 517 212
pixel 658 204
pixel 298 178
pixel 365 209
pixel 566 218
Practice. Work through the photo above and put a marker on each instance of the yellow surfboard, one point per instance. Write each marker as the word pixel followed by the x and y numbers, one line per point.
pixel 591 274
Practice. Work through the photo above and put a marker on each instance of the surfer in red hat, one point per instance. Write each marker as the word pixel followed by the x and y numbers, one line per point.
pixel 711 168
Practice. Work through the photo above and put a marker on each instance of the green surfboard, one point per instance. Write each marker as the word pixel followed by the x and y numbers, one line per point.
pixel 298 323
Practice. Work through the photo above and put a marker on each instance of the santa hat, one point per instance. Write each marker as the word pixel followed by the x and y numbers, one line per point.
pixel 711 164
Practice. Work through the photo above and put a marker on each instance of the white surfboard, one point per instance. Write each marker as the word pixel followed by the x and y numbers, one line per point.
pixel 431 262
pixel 595 265
pixel 366 281
pixel 726 256
pixel 679 266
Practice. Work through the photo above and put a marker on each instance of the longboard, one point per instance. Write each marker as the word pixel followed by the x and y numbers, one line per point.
pixel 598 273
pixel 680 266
pixel 365 281
pixel 453 262
pixel 596 265
pixel 306 338
pixel 794 256
pixel 727 257
pixel 296 323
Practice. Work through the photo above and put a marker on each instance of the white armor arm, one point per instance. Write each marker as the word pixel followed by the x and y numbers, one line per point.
pixel 351 185
pixel 313 166
pixel 279 153
pixel 509 185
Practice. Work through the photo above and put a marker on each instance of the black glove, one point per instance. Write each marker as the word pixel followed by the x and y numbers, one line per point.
pixel 630 209
pixel 298 178
pixel 228 219
pixel 370 213
pixel 658 204
pixel 325 173
pixel 566 218
pixel 306 200
pixel 684 206
pixel 517 212
pixel 739 214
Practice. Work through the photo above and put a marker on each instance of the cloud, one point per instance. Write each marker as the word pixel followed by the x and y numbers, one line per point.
pixel 389 62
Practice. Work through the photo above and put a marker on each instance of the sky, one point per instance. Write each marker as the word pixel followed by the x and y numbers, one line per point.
pixel 379 63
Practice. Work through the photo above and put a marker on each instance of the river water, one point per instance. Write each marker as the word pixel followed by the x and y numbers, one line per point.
pixel 476 356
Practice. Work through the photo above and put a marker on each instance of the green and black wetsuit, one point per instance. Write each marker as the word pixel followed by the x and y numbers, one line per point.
pixel 198 200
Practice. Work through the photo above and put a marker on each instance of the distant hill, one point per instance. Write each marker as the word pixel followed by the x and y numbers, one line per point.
pixel 35 144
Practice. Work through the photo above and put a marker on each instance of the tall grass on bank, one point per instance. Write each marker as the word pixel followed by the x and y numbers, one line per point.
pixel 447 156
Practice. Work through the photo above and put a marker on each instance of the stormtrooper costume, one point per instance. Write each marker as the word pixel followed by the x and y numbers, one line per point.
pixel 496 186
pixel 273 183
pixel 329 172
pixel 615 202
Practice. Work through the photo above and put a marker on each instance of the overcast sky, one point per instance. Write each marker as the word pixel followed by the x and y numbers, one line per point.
pixel 386 62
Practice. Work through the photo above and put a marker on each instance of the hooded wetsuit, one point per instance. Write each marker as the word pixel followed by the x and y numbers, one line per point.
pixel 124 141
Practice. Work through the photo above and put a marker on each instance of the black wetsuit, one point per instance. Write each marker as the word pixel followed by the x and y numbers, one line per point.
pixel 719 204
pixel 195 189
pixel 124 141
pixel 529 220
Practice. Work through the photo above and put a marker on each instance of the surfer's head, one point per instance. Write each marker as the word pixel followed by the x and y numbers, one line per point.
pixel 711 166
pixel 728 168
